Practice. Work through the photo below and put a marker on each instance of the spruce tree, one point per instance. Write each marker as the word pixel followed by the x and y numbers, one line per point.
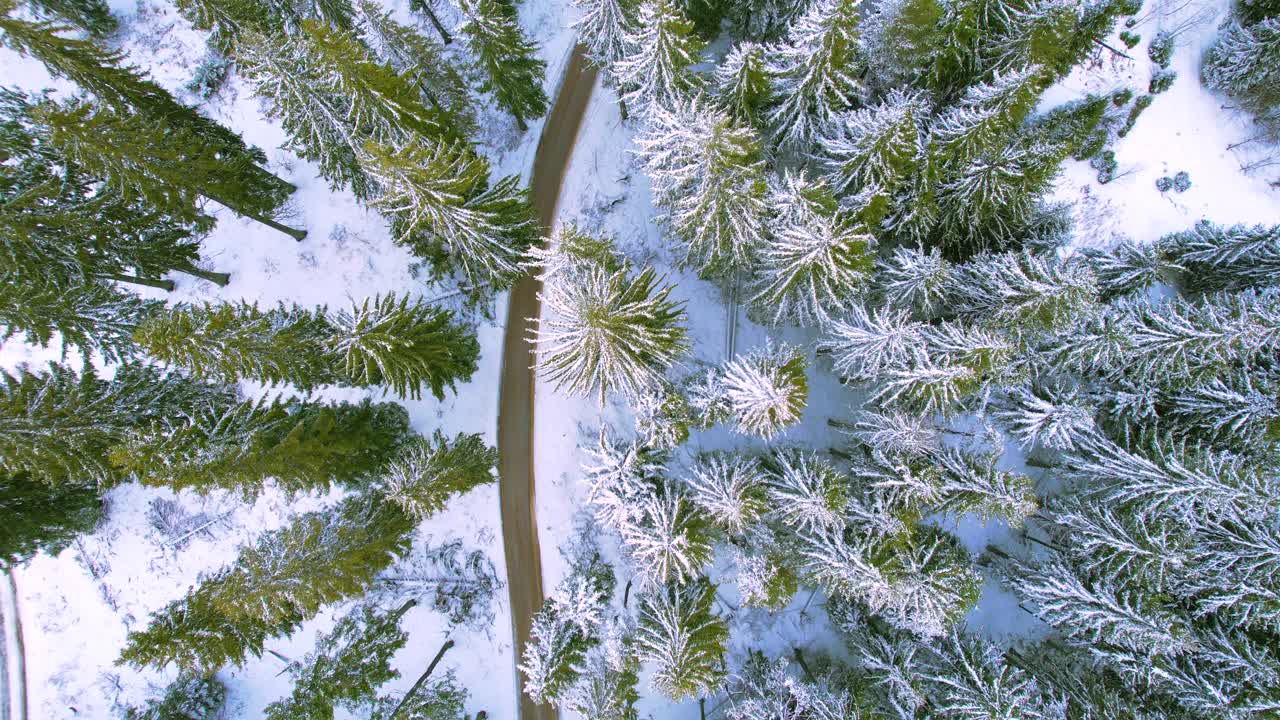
pixel 707 171
pixel 669 540
pixel 304 446
pixel 742 85
pixel 900 39
pixel 814 73
pixel 683 639
pixel 656 73
pixel 879 146
pixel 568 626
pixel 193 696
pixel 730 489
pixel 427 473
pixel 37 517
pixel 512 70
pixel 168 167
pixel 422 61
pixel 92 16
pixel 606 28
pixel 274 586
pixel 442 206
pixel 1213 258
pixel 820 259
pixel 766 389
pixel 347 667
pixel 90 316
pixel 609 331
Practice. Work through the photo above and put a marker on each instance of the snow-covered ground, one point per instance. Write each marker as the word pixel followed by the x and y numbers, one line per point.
pixel 77 607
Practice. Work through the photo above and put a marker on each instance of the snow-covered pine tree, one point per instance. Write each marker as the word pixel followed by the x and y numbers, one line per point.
pixel 168 167
pixel 671 540
pixel 914 280
pixel 1243 63
pixel 656 72
pixel 404 345
pixel 766 389
pixel 1127 269
pixel 443 207
pixel 90 317
pixel 869 343
pixel 967 678
pixel 742 84
pixel 730 489
pixel 992 203
pixel 764 20
pixel 440 698
pixel 609 332
pixel 1047 417
pixel 1022 292
pixel 332 96
pixel 284 579
pixel 1043 32
pixel 985 119
pixel 1213 257
pixel 972 483
pixel 513 72
pixel 766 576
pixel 303 446
pixel 814 73
pixel 1104 542
pixel 618 476
pixel 1237 410
pixel 895 434
pixel 569 625
pixel 663 417
pixel 193 696
pixel 767 689
pixel 899 40
pixel 807 492
pixel 879 146
pixel 606 28
pixel 427 473
pixel 57 426
pixel 419 59
pixel 820 259
pixel 348 665
pixel 683 638
pixel 606 686
pixel 38 517
pixel 707 172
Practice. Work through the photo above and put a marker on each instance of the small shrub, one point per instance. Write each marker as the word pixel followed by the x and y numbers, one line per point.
pixel 1120 97
pixel 1164 184
pixel 1161 49
pixel 1182 181
pixel 1139 105
pixel 209 76
pixel 1162 80
pixel 1105 163
pixel 1130 39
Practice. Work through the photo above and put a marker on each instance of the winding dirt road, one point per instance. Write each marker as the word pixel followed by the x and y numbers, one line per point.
pixel 515 393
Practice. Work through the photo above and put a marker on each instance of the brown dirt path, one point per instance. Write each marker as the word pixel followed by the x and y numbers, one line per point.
pixel 515 393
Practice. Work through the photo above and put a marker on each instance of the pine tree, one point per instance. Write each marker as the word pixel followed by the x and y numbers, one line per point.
pixel 567 627
pixel 1213 258
pixel 814 73
pixel 319 558
pixel 766 389
pixel 868 344
pixel 820 259
pixel 168 167
pixel 670 541
pixel 440 699
pixel 618 477
pixel 92 16
pixel 332 97
pixel 91 317
pixel 1047 417
pixel 1128 270
pixel 914 280
pixel 59 427
pixel 1243 62
pixel 900 39
pixel 973 484
pixel 656 74
pixel 36 517
pixel 609 331
pixel 986 117
pixel 422 61
pixel 1039 292
pixel 606 28
pixel 347 667
pixel 807 493
pixel 684 640
pixel 742 83
pixel 513 71
pixel 878 146
pixel 707 172
pixel 229 22
pixel 303 446
pixel 762 20
pixel 193 696
pixel 125 91
pixel 1049 33
pixel 606 688
pixel 730 489
pixel 969 679
pixel 442 205
pixel 428 473
pixel 993 201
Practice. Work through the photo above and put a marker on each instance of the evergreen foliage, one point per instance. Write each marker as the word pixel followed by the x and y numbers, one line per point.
pixel 656 74
pixel 564 631
pixel 1243 64
pixel 37 517
pixel 193 696
pixel 606 28
pixel 814 73
pixel 742 84
pixel 92 16
pixel 428 473
pixel 683 639
pixel 512 69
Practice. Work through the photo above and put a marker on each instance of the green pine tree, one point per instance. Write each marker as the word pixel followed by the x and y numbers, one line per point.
pixel 37 517
pixel 92 16
pixel 427 473
pixel 193 696
pixel 683 638
pixel 513 72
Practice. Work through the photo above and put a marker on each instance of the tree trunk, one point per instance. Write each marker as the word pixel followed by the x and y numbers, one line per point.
pixel 421 680
pixel 217 278
pixel 626 594
pixel 291 232
pixel 622 108
pixel 520 123
pixel 803 665
pixel 436 22
pixel 149 282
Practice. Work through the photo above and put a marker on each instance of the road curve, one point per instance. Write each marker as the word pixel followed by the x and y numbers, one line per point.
pixel 515 391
